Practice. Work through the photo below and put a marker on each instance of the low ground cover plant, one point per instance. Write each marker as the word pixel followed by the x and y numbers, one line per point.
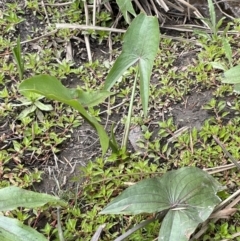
pixel 185 197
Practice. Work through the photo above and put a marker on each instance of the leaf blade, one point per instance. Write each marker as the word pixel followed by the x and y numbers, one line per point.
pixel 176 189
pixel 13 197
pixel 232 76
pixel 125 7
pixel 145 28
pixel 11 229
pixel 52 88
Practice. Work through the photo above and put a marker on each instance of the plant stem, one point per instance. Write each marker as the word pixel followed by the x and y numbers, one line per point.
pixel 135 228
pixel 128 121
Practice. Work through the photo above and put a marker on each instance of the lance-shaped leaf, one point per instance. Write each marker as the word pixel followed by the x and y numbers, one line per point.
pixel 140 46
pixel 125 7
pixel 13 197
pixel 232 76
pixel 17 53
pixel 189 195
pixel 237 88
pixel 52 88
pixel 11 230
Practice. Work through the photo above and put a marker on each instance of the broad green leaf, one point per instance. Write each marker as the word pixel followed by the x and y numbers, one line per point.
pixel 13 197
pixel 13 230
pixel 141 42
pixel 179 225
pixel 232 76
pixel 181 188
pixel 17 53
pixel 52 88
pixel 188 195
pixel 125 7
pixel 143 197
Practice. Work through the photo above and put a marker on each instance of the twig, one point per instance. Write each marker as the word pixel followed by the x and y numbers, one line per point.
pixel 205 225
pixel 220 168
pixel 223 203
pixel 140 6
pixel 46 14
pixel 135 228
pixel 86 27
pixel 98 232
pixel 86 36
pixel 94 12
pixel 116 30
pixel 37 38
pixel 58 4
pixel 232 237
pixel 226 152
pixel 163 5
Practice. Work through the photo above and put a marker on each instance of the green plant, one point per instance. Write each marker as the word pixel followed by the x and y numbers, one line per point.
pixel 134 51
pixel 32 101
pixel 14 197
pixel 142 53
pixel 183 199
pixel 232 76
pixel 17 53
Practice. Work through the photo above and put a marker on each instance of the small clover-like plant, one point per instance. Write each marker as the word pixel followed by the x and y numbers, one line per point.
pixel 186 196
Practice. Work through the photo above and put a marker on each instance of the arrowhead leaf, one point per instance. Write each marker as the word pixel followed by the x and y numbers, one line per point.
pixel 125 7
pixel 189 195
pixel 141 42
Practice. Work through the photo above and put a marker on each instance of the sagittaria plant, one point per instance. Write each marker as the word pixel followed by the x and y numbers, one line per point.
pixel 140 47
pixel 183 198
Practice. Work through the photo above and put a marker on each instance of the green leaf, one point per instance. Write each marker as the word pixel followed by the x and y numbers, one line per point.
pixel 169 191
pixel 125 7
pixel 13 230
pixel 44 107
pixel 27 111
pixel 212 14
pixel 13 197
pixel 237 88
pixel 232 76
pixel 140 46
pixel 52 88
pixel 227 50
pixel 17 53
pixel 90 99
pixel 188 194
pixel 178 225
pixel 218 65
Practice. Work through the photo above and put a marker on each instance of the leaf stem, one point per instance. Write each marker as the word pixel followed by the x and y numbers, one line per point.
pixel 135 228
pixel 128 121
